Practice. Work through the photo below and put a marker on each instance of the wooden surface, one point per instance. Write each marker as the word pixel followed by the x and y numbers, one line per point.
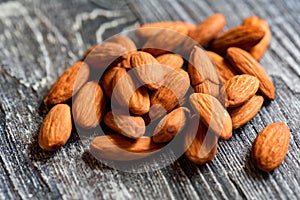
pixel 40 38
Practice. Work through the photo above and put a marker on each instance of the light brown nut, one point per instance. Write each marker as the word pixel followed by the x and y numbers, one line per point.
pixel 56 128
pixel 170 95
pixel 171 125
pixel 166 40
pixel 260 48
pixel 240 89
pixel 171 60
pixel 205 32
pixel 244 63
pixel 129 126
pixel 103 55
pixel 148 30
pixel 147 69
pixel 243 114
pixel 212 114
pixel 123 41
pixel 139 102
pixel 207 87
pixel 120 148
pixel 107 79
pixel 200 143
pixel 89 106
pixel 270 146
pixel 200 67
pixel 224 69
pixel 68 84
pixel 244 37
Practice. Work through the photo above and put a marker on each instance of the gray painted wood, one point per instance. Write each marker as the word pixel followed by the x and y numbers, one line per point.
pixel 39 39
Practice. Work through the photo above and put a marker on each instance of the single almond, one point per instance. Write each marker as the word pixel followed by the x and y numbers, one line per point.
pixel 89 106
pixel 68 84
pixel 200 67
pixel 147 69
pixel 139 102
pixel 212 114
pixel 129 126
pixel 224 69
pixel 240 89
pixel 120 148
pixel 270 146
pixel 166 40
pixel 104 54
pixel 243 114
pixel 123 41
pixel 107 79
pixel 56 128
pixel 171 125
pixel 244 37
pixel 244 63
pixel 147 31
pixel 260 48
pixel 171 60
pixel 200 143
pixel 205 32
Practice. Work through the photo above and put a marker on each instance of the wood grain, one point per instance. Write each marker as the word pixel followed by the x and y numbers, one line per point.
pixel 39 39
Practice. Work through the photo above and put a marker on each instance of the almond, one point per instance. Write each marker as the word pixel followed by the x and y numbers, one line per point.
pixel 89 105
pixel 244 37
pixel 200 67
pixel 56 128
pixel 205 32
pixel 243 62
pixel 208 87
pixel 129 126
pixel 104 54
pixel 117 147
pixel 240 89
pixel 166 40
pixel 271 146
pixel 68 83
pixel 149 30
pixel 200 143
pixel 243 114
pixel 171 60
pixel 139 102
pixel 107 79
pixel 123 41
pixel 260 48
pixel 171 125
pixel 212 114
pixel 224 69
pixel 147 69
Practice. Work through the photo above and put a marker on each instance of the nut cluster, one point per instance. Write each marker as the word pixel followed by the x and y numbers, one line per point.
pixel 219 88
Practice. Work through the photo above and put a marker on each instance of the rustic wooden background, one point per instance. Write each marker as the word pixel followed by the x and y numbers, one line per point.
pixel 40 38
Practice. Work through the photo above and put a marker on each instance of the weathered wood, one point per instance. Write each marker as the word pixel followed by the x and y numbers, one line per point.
pixel 39 39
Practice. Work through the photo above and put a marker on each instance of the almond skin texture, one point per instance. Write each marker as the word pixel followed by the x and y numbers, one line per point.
pixel 244 63
pixel 147 31
pixel 208 87
pixel 56 128
pixel 243 114
pixel 224 69
pixel 171 125
pixel 270 146
pixel 123 41
pixel 200 67
pixel 205 32
pixel 171 60
pixel 147 69
pixel 244 37
pixel 104 54
pixel 260 48
pixel 240 89
pixel 107 79
pixel 166 40
pixel 129 126
pixel 200 143
pixel 139 102
pixel 212 114
pixel 68 84
pixel 89 106
pixel 120 148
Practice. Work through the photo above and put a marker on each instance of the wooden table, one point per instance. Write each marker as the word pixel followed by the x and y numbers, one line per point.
pixel 39 39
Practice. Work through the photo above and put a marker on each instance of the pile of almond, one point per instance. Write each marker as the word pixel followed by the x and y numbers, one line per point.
pixel 173 83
